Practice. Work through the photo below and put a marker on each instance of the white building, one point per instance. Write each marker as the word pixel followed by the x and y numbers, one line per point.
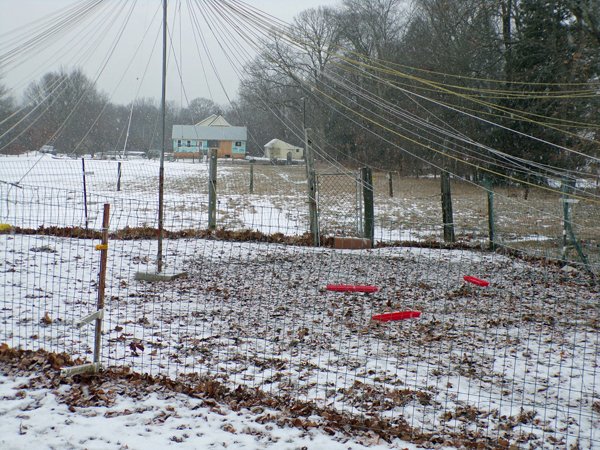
pixel 193 141
pixel 277 149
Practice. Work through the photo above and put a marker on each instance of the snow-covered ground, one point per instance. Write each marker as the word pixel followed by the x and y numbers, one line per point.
pixel 516 363
pixel 39 418
pixel 39 189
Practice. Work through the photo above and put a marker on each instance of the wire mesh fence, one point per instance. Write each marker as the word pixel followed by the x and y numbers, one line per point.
pixel 516 362
pixel 340 206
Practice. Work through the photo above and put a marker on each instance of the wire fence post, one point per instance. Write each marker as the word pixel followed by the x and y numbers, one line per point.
pixel 103 247
pixel 391 184
pixel 97 316
pixel 491 219
pixel 312 187
pixel 251 177
pixel 369 207
pixel 565 188
pixel 447 216
pixel 118 176
pixel 85 206
pixel 570 240
pixel 212 188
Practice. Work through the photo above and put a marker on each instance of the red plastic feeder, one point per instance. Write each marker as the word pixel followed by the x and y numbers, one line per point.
pixel 351 288
pixel 476 281
pixel 398 315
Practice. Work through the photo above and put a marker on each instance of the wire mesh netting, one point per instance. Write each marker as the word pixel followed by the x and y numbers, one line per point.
pixel 340 204
pixel 515 361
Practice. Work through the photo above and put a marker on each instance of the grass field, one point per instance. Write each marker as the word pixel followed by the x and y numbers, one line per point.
pixel 278 202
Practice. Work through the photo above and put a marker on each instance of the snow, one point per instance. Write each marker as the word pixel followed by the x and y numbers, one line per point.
pixel 518 360
pixel 37 419
pixel 280 207
pixel 269 325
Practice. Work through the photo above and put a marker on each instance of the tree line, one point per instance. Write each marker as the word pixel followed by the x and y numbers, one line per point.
pixel 490 72
pixel 66 110
pixel 388 83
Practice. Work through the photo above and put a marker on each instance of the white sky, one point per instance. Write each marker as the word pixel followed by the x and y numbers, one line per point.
pixel 88 44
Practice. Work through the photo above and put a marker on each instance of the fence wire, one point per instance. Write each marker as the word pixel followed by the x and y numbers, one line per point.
pixel 515 363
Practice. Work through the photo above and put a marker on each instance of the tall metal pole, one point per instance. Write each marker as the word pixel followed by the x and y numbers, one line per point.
pixel 161 172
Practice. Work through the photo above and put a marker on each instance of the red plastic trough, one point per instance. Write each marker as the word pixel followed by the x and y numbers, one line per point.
pixel 398 315
pixel 351 288
pixel 476 281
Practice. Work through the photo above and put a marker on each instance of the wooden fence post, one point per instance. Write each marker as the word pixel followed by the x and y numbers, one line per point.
pixel 312 188
pixel 98 315
pixel 391 184
pixel 252 177
pixel 101 283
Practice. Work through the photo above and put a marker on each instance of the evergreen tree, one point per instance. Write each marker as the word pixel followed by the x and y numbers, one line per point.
pixel 550 55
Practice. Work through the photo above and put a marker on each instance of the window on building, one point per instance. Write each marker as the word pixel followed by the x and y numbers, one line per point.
pixel 178 143
pixel 189 143
pixel 238 144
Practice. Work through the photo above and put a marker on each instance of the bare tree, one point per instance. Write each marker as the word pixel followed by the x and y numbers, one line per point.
pixel 66 108
pixel 373 27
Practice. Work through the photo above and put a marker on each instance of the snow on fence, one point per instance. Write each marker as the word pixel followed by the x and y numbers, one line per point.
pixel 515 362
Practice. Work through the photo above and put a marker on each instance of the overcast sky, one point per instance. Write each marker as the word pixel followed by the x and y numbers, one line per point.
pixel 133 69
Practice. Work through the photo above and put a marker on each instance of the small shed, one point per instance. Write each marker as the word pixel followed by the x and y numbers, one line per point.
pixel 278 149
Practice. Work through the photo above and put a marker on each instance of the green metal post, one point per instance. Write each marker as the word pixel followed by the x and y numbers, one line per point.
pixel 447 215
pixel 212 188
pixel 369 209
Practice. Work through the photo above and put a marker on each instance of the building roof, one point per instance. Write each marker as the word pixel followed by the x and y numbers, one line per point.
pixel 210 133
pixel 214 120
pixel 213 128
pixel 280 144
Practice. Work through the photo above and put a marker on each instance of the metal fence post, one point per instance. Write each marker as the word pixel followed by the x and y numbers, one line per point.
pixel 447 216
pixel 391 184
pixel 119 176
pixel 369 209
pixel 570 240
pixel 212 188
pixel 491 219
pixel 85 206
